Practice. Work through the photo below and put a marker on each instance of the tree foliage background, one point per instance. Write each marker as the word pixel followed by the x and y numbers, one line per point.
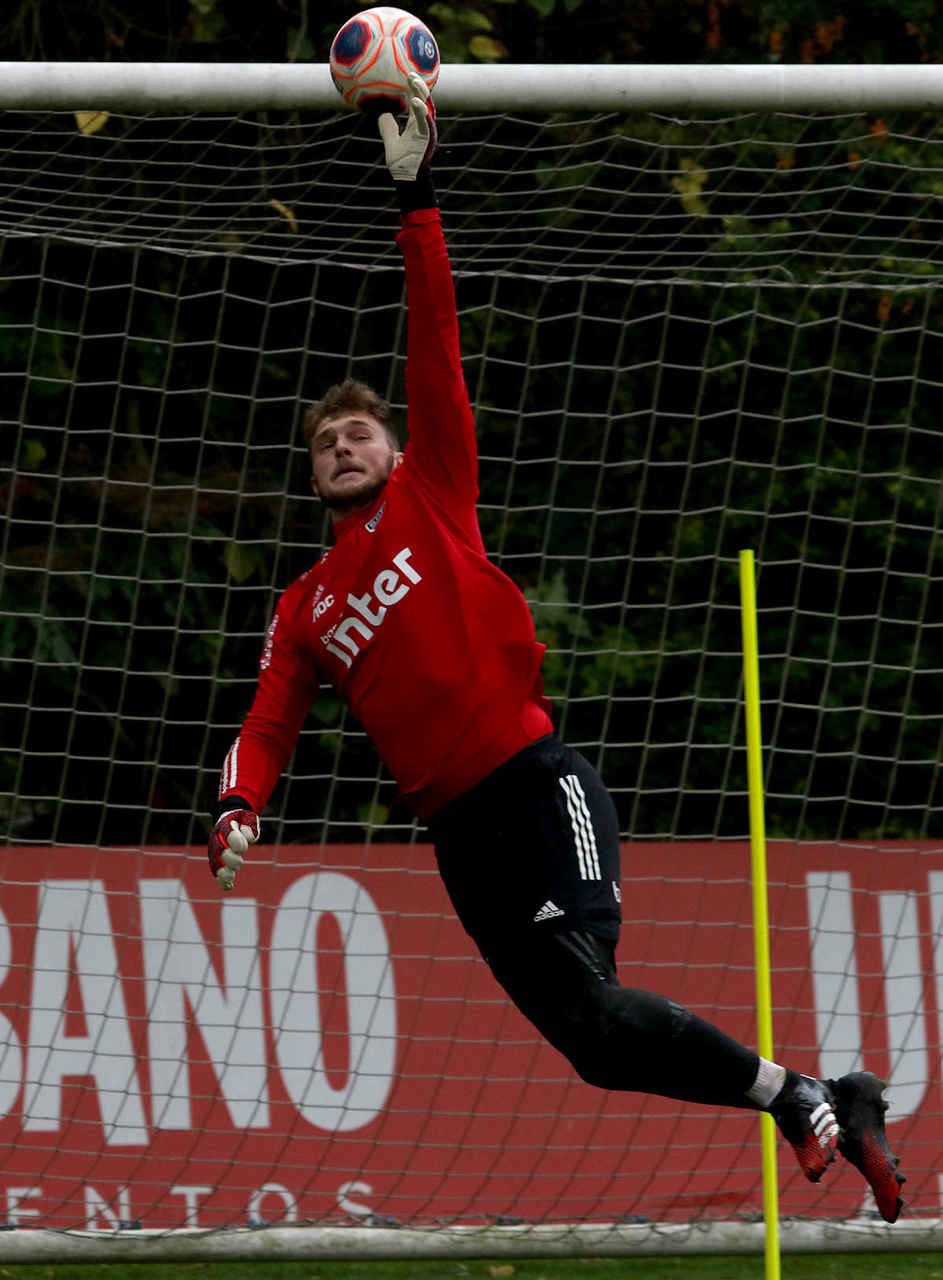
pixel 520 30
pixel 171 538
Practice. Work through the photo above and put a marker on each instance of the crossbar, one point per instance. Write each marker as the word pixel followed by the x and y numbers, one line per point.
pixel 193 86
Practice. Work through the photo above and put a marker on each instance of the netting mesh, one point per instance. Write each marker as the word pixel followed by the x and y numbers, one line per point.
pixel 681 339
pixel 671 354
pixel 772 197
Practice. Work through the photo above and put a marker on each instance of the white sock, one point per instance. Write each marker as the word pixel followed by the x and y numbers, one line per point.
pixel 770 1078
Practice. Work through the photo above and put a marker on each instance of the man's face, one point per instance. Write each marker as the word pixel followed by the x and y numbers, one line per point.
pixel 351 461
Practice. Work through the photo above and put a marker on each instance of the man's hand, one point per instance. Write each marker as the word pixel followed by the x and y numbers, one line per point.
pixel 229 840
pixel 411 150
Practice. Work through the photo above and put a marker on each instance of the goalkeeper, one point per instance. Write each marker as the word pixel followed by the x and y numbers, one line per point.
pixel 433 648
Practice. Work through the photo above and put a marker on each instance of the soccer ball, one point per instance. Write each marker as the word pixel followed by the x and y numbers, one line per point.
pixel 374 52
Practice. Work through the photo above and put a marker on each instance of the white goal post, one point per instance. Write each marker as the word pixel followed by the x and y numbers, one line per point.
pixel 701 310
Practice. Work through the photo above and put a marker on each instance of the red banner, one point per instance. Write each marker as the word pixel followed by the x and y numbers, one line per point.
pixel 324 1044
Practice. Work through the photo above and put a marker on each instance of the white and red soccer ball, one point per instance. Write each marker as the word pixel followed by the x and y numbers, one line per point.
pixel 375 51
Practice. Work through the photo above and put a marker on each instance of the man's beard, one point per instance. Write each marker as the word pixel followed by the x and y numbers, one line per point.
pixel 342 505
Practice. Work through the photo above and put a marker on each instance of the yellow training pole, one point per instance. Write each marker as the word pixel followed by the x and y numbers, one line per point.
pixel 764 1010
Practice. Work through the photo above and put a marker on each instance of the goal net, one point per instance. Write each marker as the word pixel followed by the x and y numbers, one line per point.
pixel 682 338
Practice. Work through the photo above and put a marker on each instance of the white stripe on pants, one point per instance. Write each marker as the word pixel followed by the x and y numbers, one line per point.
pixel 582 827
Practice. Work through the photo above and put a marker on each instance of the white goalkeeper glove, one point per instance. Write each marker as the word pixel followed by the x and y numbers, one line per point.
pixel 230 838
pixel 411 150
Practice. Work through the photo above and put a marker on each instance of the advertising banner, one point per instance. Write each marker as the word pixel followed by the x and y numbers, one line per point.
pixel 325 1045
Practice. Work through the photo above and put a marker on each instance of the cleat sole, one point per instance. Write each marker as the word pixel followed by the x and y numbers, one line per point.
pixel 860 1108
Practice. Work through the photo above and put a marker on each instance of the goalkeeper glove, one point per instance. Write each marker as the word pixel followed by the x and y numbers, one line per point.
pixel 230 838
pixel 411 150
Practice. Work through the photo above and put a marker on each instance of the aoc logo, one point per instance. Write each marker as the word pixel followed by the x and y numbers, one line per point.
pixel 321 607
pixel 389 586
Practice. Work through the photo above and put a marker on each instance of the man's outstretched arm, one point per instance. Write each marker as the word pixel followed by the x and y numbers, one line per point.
pixel 442 444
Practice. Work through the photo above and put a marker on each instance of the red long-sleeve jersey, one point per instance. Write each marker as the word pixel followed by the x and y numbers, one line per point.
pixel 431 645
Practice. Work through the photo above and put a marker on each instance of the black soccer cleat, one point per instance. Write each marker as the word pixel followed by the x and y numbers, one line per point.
pixel 859 1107
pixel 803 1111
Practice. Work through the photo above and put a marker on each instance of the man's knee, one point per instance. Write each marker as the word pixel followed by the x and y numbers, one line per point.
pixel 605 1030
pixel 617 1047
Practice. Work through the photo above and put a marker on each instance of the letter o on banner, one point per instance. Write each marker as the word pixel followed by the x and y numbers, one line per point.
pixel 371 1002
pixel 272 1189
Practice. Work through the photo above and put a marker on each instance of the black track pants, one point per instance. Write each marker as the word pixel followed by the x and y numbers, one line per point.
pixel 530 858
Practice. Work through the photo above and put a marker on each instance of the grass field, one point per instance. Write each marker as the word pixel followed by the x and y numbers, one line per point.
pixel 886 1266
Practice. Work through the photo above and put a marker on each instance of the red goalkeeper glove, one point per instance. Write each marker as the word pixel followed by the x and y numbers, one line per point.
pixel 230 838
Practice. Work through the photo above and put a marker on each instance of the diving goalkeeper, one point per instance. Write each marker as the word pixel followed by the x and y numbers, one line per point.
pixel 434 650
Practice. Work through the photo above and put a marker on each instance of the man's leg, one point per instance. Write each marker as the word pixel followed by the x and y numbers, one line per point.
pixel 619 1037
pixel 530 858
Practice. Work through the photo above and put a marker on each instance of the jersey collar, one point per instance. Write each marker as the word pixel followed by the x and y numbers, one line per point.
pixel 364 516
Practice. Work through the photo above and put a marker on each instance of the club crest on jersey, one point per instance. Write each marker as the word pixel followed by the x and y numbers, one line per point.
pixel 346 637
pixel 375 519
